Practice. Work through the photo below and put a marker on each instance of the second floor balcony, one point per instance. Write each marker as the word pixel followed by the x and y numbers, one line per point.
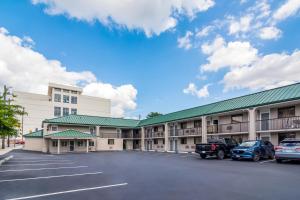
pixel 156 134
pixel 242 127
pixel 185 132
pixel 131 135
pixel 278 124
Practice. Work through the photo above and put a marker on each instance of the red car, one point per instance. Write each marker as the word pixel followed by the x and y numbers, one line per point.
pixel 20 142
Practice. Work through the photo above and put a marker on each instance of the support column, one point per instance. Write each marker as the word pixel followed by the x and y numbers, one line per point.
pixel 252 123
pixel 58 146
pixel 97 136
pixel 98 131
pixel 143 139
pixel 166 137
pixel 204 129
pixel 87 146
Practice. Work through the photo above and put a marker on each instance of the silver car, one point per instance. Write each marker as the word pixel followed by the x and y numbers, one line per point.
pixel 288 149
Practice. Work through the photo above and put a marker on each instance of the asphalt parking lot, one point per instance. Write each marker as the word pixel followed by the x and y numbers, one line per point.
pixel 144 175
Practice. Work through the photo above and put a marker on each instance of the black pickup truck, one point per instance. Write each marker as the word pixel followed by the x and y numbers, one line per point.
pixel 216 147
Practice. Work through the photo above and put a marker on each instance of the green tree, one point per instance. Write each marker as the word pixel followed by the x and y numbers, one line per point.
pixel 8 117
pixel 153 114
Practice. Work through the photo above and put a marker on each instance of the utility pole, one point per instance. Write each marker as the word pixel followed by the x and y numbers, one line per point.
pixel 22 132
pixel 4 98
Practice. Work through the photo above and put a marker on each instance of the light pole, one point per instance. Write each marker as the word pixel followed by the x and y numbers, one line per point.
pixel 9 94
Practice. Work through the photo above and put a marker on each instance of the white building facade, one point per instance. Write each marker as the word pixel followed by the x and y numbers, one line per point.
pixel 61 100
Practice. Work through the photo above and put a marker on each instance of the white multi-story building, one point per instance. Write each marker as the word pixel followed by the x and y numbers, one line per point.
pixel 61 100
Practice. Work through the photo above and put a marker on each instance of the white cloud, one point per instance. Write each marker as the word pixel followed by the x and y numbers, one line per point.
pixel 185 41
pixel 231 54
pixel 123 97
pixel 255 21
pixel 266 72
pixel 193 90
pixel 268 33
pixel 289 8
pixel 151 16
pixel 247 68
pixel 204 31
pixel 241 25
pixel 261 9
pixel 27 70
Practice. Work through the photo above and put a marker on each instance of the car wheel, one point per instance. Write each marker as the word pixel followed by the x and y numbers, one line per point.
pixel 278 160
pixel 203 156
pixel 256 157
pixel 272 156
pixel 235 159
pixel 220 154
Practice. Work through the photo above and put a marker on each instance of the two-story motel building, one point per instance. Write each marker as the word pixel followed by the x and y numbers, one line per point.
pixel 268 115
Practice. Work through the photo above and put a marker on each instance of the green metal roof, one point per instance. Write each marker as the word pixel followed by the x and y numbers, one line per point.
pixel 276 95
pixel 95 120
pixel 69 134
pixel 36 134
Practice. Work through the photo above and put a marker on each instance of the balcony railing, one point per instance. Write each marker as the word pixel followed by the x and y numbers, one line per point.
pixel 136 135
pixel 131 136
pixel 228 128
pixel 185 132
pixel 158 134
pixel 278 124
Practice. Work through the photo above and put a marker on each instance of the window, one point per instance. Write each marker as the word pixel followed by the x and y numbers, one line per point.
pixel 197 140
pixel 57 89
pixel 163 141
pixel 74 92
pixel 286 112
pixel 183 125
pixel 155 141
pixel 57 97
pixel 265 138
pixel 111 141
pixel 92 130
pixel 236 118
pixel 66 91
pixel 73 111
pixel 80 143
pixel 73 100
pixel 197 124
pixel 183 141
pixel 54 143
pixel 65 111
pixel 91 143
pixel 66 99
pixel 64 143
pixel 155 129
pixel 57 111
pixel 54 128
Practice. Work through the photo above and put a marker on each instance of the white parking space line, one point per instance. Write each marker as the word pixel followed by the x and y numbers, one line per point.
pixel 36 161
pixel 34 164
pixel 187 156
pixel 266 161
pixel 38 169
pixel 70 191
pixel 48 177
pixel 16 158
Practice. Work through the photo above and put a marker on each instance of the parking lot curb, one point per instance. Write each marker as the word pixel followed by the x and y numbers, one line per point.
pixel 6 159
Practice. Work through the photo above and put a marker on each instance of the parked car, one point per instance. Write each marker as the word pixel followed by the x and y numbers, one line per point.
pixel 254 150
pixel 216 147
pixel 288 149
pixel 20 142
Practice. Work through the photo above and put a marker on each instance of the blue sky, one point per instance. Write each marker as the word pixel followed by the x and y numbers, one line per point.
pixel 248 46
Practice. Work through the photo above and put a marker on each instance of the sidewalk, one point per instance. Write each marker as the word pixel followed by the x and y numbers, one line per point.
pixel 8 149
